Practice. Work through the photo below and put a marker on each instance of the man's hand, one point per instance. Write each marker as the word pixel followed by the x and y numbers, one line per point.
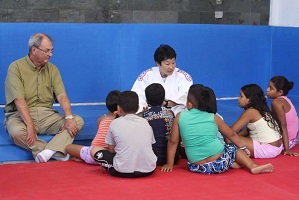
pixel 166 168
pixel 31 135
pixel 71 126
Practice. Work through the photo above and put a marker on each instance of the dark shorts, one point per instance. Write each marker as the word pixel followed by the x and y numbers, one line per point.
pixel 105 159
pixel 222 164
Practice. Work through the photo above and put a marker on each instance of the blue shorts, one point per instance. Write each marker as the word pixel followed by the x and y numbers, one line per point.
pixel 222 164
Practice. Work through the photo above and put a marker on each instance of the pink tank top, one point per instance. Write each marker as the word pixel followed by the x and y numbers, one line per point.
pixel 100 137
pixel 291 119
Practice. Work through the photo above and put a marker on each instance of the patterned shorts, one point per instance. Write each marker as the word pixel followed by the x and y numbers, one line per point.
pixel 222 164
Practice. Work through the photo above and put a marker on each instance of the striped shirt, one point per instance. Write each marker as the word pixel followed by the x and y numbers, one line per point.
pixel 99 139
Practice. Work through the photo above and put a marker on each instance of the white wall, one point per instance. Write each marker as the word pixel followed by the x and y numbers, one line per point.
pixel 284 13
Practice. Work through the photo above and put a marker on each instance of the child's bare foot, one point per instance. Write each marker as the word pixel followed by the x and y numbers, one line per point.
pixel 235 165
pixel 259 169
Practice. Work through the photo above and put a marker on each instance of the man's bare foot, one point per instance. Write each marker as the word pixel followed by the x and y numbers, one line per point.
pixel 235 165
pixel 259 169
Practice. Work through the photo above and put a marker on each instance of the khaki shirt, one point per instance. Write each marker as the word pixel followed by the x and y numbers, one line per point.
pixel 39 88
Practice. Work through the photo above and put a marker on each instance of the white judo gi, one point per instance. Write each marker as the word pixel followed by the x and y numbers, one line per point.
pixel 176 87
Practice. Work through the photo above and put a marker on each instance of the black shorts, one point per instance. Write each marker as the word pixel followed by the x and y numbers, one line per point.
pixel 105 159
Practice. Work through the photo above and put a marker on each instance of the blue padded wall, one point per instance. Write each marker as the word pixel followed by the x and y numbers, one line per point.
pixel 285 55
pixel 220 56
pixel 86 54
pixel 96 58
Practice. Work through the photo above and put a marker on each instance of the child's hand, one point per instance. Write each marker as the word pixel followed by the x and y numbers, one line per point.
pixel 182 144
pixel 166 168
pixel 247 152
pixel 288 152
pixel 145 108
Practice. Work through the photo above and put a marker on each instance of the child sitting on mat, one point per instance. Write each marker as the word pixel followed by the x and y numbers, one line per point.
pixel 160 118
pixel 129 140
pixel 198 128
pixel 278 90
pixel 258 126
pixel 83 152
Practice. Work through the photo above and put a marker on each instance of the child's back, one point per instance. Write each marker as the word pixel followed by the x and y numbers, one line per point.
pixel 291 119
pixel 198 128
pixel 83 152
pixel 278 89
pixel 258 127
pixel 129 139
pixel 99 139
pixel 133 138
pixel 160 119
pixel 199 134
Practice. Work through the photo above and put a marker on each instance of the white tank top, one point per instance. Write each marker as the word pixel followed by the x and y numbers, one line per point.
pixel 261 132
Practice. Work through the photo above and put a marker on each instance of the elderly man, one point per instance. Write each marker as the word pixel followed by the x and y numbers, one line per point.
pixel 31 86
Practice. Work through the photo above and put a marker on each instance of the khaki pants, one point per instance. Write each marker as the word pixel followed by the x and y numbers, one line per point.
pixel 46 121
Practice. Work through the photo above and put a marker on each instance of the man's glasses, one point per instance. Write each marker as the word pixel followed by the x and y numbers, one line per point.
pixel 45 51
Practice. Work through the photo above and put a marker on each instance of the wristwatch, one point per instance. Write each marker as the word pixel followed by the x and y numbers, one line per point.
pixel 69 117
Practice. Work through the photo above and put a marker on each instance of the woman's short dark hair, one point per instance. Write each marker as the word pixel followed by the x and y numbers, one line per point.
pixel 164 52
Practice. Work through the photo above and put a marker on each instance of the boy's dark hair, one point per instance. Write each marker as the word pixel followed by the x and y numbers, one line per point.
pixel 258 101
pixel 111 100
pixel 128 101
pixel 164 52
pixel 155 94
pixel 282 83
pixel 203 98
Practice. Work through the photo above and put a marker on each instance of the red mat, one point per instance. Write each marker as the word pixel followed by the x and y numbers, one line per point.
pixel 77 180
